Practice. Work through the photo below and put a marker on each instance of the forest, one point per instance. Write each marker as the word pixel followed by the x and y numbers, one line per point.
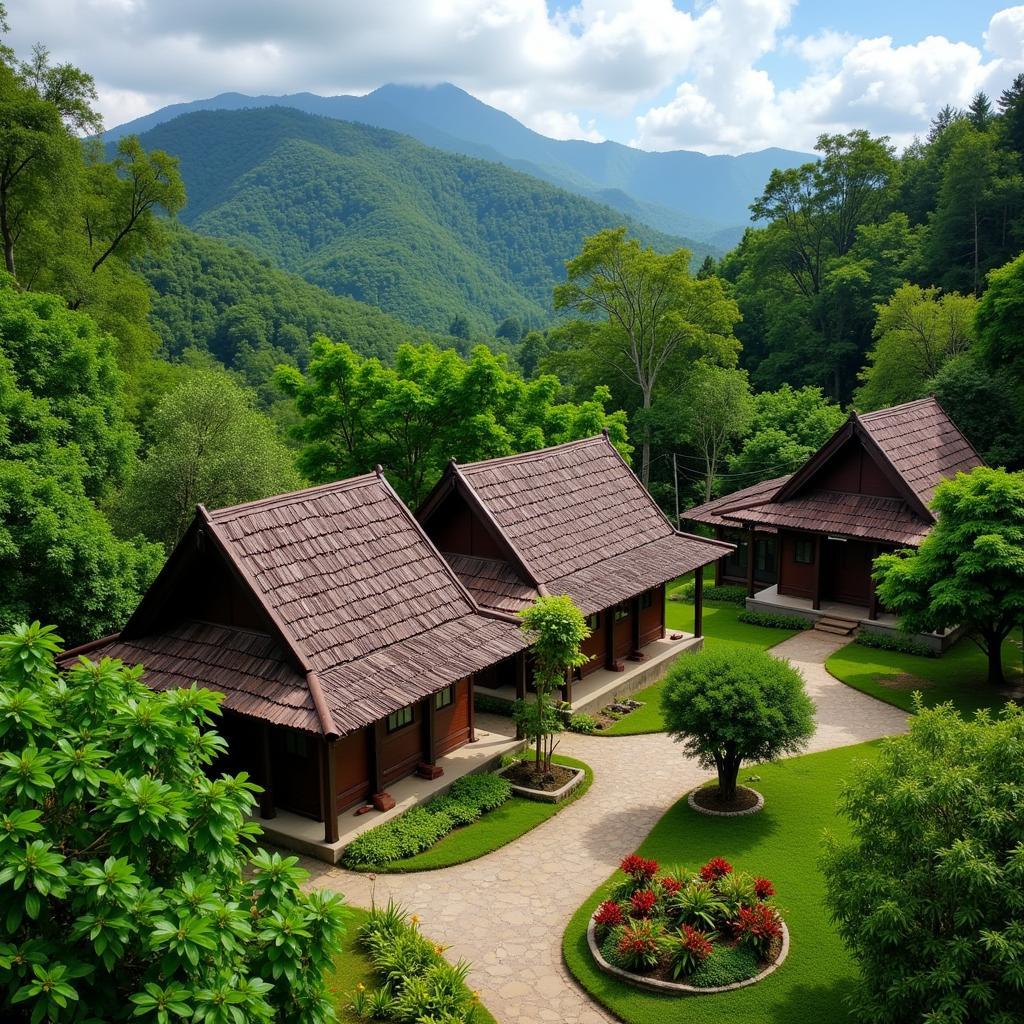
pixel 154 356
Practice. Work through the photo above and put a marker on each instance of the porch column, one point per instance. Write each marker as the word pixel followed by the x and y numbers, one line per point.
pixel 376 746
pixel 471 686
pixel 329 795
pixel 751 551
pixel 267 809
pixel 520 684
pixel 609 638
pixel 698 601
pixel 634 627
pixel 873 602
pixel 816 600
pixel 429 707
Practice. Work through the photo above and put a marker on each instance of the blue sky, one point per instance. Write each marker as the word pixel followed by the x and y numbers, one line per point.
pixel 720 76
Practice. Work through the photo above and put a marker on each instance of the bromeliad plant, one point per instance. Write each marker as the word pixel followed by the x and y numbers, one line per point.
pixel 674 923
pixel 129 888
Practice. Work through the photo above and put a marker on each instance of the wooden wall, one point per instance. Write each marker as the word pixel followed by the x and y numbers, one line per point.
pixel 402 750
pixel 454 527
pixel 652 620
pixel 594 646
pixel 853 471
pixel 452 722
pixel 352 768
pixel 795 578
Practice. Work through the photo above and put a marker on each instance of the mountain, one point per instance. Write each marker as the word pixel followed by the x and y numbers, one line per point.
pixel 678 192
pixel 379 217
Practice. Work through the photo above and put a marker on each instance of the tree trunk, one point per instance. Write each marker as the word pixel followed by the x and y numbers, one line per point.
pixel 645 450
pixel 728 770
pixel 995 661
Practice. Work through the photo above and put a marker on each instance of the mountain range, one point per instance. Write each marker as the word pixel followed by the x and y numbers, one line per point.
pixel 679 192
pixel 377 216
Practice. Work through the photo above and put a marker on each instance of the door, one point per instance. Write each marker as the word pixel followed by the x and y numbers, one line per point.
pixel 846 571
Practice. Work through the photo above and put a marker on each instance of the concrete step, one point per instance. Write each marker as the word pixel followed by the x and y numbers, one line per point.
pixel 835 625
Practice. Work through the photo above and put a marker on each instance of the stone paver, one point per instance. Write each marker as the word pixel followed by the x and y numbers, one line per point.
pixel 506 912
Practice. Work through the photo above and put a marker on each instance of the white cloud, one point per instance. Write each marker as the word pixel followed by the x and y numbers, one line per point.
pixel 684 78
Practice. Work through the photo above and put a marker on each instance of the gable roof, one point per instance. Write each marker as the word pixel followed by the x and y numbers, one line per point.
pixel 576 520
pixel 915 445
pixel 358 601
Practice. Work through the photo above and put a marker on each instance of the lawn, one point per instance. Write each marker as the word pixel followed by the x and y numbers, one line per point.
pixel 494 829
pixel 782 842
pixel 721 627
pixel 958 676
pixel 352 967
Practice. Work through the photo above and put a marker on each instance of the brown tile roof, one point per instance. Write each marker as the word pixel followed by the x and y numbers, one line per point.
pixel 922 442
pixel 581 522
pixel 492 582
pixel 715 512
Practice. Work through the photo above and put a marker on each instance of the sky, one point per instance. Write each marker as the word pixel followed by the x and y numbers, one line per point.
pixel 719 76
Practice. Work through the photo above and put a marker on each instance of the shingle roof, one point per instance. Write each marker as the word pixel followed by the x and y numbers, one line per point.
pixel 922 442
pixel 365 607
pixel 492 582
pixel 581 522
pixel 715 512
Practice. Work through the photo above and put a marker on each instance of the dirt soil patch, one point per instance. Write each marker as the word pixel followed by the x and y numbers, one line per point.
pixel 523 774
pixel 612 713
pixel 903 681
pixel 708 797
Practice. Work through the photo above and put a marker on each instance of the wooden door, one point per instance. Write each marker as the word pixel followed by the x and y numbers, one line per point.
pixel 846 571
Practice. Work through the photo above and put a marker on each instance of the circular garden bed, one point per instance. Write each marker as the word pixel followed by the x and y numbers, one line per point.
pixel 707 800
pixel 704 931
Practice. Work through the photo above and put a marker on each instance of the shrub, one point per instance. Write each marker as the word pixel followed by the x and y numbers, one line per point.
pixel 126 873
pixel 901 642
pixel 757 927
pixel 488 705
pixel 728 706
pixel 725 966
pixel 608 915
pixel 642 903
pixel 585 724
pixel 640 869
pixel 775 620
pixel 460 812
pixel 484 790
pixel 736 890
pixel 715 869
pixel 926 893
pixel 698 905
pixel 686 950
pixel 724 594
pixel 638 945
pixel 763 888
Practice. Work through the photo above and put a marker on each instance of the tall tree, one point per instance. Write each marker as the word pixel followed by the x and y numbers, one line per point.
pixel 642 312
pixel 1000 321
pixel 1011 106
pixel 980 112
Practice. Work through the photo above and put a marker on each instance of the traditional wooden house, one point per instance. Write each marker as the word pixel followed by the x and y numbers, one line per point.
pixel 572 519
pixel 344 645
pixel 806 542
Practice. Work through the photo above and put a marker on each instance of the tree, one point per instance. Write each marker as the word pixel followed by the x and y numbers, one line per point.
pixel 459 327
pixel 511 329
pixel 128 885
pixel 1011 106
pixel 731 706
pixel 640 312
pixel 916 332
pixel 431 406
pixel 926 892
pixel 980 112
pixel 969 570
pixel 1000 321
pixel 555 628
pixel 212 446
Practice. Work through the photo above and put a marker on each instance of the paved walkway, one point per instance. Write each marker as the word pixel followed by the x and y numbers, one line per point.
pixel 506 912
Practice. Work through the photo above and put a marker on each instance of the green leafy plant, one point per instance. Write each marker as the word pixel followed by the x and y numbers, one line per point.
pixel 697 904
pixel 585 724
pixel 727 594
pixel 774 620
pixel 894 642
pixel 736 890
pixel 638 944
pixel 127 876
pixel 686 949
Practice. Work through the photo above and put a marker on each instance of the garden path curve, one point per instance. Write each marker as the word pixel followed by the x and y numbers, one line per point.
pixel 506 912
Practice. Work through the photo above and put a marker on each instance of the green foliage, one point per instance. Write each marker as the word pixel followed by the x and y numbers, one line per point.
pixel 584 724
pixel 430 406
pixel 128 887
pixel 774 620
pixel 725 966
pixel 211 446
pixel 726 594
pixel 936 934
pixel 735 705
pixel 1000 322
pixel 969 570
pixel 419 829
pixel 893 642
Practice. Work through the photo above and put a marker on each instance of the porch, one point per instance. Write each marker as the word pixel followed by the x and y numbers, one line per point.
pixel 770 600
pixel 495 737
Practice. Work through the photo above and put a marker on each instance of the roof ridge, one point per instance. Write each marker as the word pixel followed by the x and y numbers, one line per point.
pixel 927 400
pixel 531 455
pixel 289 497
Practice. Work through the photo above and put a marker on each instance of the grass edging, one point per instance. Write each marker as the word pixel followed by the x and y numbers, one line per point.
pixel 493 830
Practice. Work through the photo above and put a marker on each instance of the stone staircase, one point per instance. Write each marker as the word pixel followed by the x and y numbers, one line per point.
pixel 835 625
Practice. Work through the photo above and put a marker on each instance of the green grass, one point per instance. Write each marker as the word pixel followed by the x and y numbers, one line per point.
pixel 352 966
pixel 959 675
pixel 783 843
pixel 494 829
pixel 721 627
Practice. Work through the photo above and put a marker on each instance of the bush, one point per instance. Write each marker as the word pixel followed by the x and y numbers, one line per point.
pixel 926 893
pixel 725 594
pixel 686 950
pixel 127 876
pixel 774 620
pixel 904 643
pixel 585 724
pixel 725 966
pixel 415 831
pixel 728 706
pixel 758 927
pixel 638 945
pixel 486 704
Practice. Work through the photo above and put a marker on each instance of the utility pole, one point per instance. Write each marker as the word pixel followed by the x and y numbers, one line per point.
pixel 675 477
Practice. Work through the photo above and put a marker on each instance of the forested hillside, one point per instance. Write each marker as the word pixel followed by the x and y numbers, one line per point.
pixel 376 216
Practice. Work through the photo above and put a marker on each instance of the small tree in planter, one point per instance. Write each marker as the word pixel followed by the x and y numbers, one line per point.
pixel 555 628
pixel 727 707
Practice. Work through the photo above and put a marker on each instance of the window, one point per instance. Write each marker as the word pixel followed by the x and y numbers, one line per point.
pixel 594 621
pixel 803 552
pixel 622 611
pixel 646 599
pixel 399 719
pixel 444 697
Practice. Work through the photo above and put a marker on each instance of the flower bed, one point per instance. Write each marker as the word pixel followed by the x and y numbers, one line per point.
pixel 551 786
pixel 691 931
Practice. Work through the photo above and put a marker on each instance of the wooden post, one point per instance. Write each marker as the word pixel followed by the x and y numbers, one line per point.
pixel 634 628
pixel 873 603
pixel 751 552
pixel 471 685
pixel 520 685
pixel 698 601
pixel 429 705
pixel 376 757
pixel 329 796
pixel 609 638
pixel 719 562
pixel 816 601
pixel 267 809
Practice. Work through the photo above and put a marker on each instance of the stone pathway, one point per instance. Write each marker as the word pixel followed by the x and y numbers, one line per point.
pixel 505 913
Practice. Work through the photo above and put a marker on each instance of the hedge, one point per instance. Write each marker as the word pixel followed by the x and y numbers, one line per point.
pixel 727 593
pixel 901 642
pixel 774 619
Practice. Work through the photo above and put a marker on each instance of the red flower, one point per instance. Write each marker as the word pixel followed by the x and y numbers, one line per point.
pixel 639 868
pixel 642 902
pixel 715 869
pixel 671 885
pixel 608 914
pixel 758 927
pixel 763 888
pixel 696 942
